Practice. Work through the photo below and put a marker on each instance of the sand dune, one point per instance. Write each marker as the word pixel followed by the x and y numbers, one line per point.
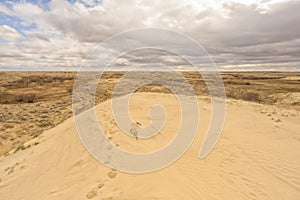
pixel 257 157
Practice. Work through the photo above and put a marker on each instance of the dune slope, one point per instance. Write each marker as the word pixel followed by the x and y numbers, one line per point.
pixel 257 157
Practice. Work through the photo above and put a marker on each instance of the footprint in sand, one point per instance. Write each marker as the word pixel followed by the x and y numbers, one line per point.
pixel 110 137
pixel 106 162
pixel 94 192
pixel 10 170
pixel 112 174
pixel 100 185
pixel 111 132
pixel 91 194
pixel 109 147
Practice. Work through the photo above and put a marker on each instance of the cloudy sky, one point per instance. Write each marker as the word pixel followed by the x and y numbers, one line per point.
pixel 237 34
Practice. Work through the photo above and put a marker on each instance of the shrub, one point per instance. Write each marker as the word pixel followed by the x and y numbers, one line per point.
pixel 20 147
pixel 251 96
pixel 69 90
pixel 25 98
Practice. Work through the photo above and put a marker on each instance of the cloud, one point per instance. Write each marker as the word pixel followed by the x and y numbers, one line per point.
pixel 38 36
pixel 260 34
pixel 9 34
pixel 5 10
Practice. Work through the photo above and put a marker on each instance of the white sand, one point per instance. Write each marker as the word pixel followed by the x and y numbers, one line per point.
pixel 257 157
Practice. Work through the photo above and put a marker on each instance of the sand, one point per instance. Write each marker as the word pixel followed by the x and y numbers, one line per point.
pixel 256 157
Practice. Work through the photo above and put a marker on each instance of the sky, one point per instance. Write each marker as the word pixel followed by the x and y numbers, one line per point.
pixel 237 34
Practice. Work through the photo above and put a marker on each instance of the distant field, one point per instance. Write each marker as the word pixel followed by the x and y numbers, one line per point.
pixel 32 102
